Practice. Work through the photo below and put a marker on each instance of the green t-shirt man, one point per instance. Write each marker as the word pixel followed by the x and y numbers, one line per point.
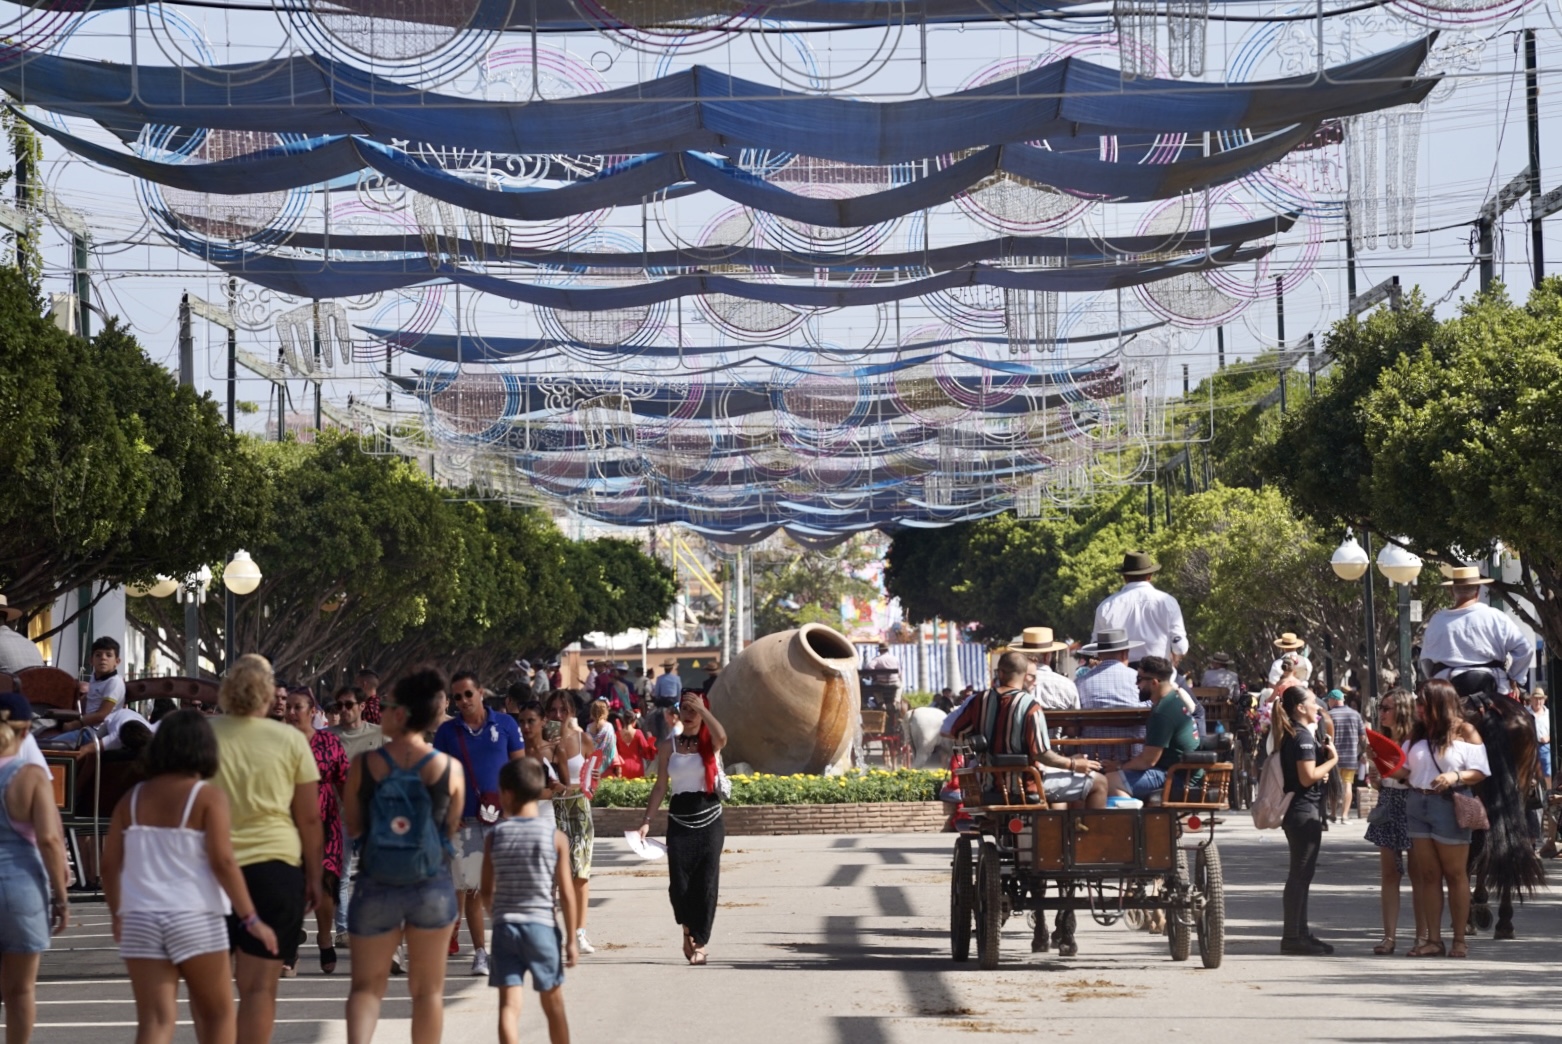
pixel 1171 728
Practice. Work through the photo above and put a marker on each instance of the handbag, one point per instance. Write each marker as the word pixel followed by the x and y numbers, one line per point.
pixel 1271 800
pixel 1379 811
pixel 1469 813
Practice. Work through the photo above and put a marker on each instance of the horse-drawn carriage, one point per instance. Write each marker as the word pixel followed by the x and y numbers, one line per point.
pixel 1113 862
pixel 1234 716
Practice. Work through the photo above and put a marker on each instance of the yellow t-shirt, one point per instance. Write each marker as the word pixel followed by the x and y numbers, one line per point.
pixel 259 764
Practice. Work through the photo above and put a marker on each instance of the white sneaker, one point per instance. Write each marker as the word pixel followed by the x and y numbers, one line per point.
pixel 480 962
pixel 343 941
pixel 582 942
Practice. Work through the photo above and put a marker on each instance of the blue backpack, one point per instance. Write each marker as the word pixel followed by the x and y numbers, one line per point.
pixel 403 844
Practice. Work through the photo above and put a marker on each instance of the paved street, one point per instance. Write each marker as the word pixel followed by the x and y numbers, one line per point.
pixel 844 941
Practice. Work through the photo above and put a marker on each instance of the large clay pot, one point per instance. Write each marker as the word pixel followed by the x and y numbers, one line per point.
pixel 789 702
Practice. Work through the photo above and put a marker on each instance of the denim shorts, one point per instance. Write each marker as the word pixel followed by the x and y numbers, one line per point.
pixel 24 910
pixel 519 948
pixel 378 908
pixel 1432 815
pixel 1142 783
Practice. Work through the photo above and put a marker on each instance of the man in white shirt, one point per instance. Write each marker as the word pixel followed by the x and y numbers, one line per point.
pixel 1537 708
pixel 17 652
pixel 1052 690
pixel 1152 619
pixel 1474 636
pixel 885 660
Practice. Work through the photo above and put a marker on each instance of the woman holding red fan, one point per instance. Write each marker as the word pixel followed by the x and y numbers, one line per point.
pixel 1388 827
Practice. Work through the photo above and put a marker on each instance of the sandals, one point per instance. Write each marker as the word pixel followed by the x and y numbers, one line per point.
pixel 1459 949
pixel 328 959
pixel 698 956
pixel 1384 948
pixel 1429 949
pixel 688 946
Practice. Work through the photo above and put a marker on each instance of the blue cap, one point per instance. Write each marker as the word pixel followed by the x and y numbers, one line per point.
pixel 16 707
pixel 1336 696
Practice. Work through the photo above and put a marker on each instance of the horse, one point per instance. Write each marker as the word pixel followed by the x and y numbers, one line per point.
pixel 1502 857
pixel 923 739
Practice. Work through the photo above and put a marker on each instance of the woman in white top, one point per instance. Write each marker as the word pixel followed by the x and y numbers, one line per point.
pixel 1446 754
pixel 686 766
pixel 1388 827
pixel 168 876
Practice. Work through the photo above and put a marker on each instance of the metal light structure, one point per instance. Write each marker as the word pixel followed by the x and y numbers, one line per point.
pixel 165 586
pixel 194 591
pixel 1402 567
pixel 1351 561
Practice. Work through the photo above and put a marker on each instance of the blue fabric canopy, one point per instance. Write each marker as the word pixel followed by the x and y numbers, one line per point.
pixel 473 348
pixel 702 110
pixel 316 160
pixel 934 259
pixel 320 279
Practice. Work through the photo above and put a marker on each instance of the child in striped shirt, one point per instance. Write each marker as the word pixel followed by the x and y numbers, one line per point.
pixel 525 860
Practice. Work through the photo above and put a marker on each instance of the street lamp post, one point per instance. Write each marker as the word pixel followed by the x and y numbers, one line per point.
pixel 241 576
pixel 1353 562
pixel 1402 567
pixel 194 593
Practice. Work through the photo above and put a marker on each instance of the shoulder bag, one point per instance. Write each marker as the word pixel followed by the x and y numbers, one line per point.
pixel 1469 813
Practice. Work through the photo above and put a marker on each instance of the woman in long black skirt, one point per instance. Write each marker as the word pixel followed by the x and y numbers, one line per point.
pixel 687 769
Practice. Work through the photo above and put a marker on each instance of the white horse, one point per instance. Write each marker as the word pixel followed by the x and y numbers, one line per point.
pixel 922 738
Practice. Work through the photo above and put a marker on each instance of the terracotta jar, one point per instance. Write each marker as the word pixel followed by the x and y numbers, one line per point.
pixel 789 702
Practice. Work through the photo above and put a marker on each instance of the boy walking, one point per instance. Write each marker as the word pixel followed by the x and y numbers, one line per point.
pixel 525 861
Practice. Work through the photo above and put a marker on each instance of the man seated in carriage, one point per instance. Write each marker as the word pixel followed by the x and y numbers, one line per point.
pixel 1169 736
pixel 1011 719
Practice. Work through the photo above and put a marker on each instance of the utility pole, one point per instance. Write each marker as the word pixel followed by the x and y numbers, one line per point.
pixel 1491 210
pixel 1372 629
pixel 1220 347
pixel 83 286
pixel 233 351
pixel 192 608
pixel 1280 334
pixel 1532 107
pixel 321 383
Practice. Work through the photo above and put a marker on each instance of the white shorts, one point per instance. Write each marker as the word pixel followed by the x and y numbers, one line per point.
pixel 171 935
pixel 467 870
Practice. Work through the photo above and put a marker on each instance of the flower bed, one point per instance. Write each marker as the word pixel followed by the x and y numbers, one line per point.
pixel 872 787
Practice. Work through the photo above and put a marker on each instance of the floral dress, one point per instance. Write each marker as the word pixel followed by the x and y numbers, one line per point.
pixel 331 758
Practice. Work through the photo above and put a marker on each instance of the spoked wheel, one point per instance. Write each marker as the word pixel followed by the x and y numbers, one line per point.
pixel 962 901
pixel 1178 936
pixel 989 907
pixel 1209 884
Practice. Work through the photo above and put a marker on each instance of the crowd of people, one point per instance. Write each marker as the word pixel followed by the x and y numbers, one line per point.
pixel 452 804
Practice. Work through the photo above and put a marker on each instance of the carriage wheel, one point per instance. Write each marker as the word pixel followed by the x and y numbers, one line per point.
pixel 1209 883
pixel 962 900
pixel 1178 936
pixel 989 907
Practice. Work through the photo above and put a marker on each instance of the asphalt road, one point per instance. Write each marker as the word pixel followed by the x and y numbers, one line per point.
pixel 844 941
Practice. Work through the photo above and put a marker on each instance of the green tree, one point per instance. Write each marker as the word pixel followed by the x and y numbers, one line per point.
pixel 1006 573
pixel 1444 435
pixel 620 588
pixel 113 471
pixel 794 585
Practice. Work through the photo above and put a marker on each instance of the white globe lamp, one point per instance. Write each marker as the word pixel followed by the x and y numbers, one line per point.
pixel 241 575
pixel 1399 565
pixel 1350 561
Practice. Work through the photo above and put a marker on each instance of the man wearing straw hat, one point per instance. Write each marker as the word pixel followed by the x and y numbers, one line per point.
pixel 16 651
pixel 1052 690
pixel 1219 675
pixel 1152 619
pixel 1472 636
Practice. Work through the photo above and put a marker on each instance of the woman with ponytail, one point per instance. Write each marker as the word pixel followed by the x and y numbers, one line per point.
pixel 1305 760
pixel 687 768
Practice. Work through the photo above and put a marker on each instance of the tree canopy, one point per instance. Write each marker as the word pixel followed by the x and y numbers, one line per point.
pixel 365 561
pixel 113 471
pixel 1444 435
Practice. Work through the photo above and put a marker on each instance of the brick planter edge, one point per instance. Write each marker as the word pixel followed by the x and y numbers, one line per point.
pixel 888 817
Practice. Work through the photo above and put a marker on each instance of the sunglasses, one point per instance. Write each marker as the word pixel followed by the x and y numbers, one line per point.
pixel 464 694
pixel 346 704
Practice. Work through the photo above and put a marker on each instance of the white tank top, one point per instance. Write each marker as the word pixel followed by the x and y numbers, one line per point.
pixel 166 867
pixel 686 773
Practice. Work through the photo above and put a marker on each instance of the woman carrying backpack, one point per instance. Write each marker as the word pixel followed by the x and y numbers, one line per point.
pixel 403 807
pixel 1305 760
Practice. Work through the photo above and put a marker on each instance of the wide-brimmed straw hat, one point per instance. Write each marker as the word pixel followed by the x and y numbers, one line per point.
pixel 669 662
pixel 1137 563
pixel 7 613
pixel 1465 576
pixel 1036 640
pixel 1289 642
pixel 1224 659
pixel 1111 640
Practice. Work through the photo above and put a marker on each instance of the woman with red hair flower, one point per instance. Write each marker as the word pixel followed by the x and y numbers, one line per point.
pixel 687 768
